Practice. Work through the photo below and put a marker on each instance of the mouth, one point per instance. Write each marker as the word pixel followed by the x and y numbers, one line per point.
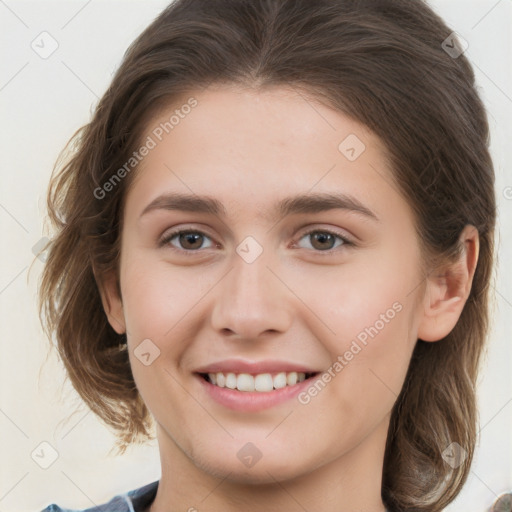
pixel 253 392
pixel 256 383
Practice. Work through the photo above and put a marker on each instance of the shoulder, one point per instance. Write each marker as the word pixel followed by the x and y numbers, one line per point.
pixel 133 501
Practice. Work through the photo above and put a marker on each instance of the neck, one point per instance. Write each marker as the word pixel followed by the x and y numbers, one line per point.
pixel 351 482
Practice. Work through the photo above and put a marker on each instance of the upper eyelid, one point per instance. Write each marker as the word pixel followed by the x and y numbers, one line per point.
pixel 172 232
pixel 327 230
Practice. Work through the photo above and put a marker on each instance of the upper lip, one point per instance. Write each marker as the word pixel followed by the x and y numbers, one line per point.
pixel 254 367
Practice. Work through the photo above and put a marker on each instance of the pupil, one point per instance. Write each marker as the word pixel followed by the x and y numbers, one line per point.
pixel 188 236
pixel 322 238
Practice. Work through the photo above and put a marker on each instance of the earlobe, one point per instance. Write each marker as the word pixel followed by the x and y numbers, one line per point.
pixel 448 289
pixel 112 303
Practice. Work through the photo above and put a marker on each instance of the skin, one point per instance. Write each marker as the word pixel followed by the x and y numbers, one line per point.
pixel 250 148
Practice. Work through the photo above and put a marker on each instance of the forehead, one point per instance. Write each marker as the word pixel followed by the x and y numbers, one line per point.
pixel 246 146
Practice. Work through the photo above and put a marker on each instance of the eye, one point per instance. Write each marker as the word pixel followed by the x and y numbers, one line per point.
pixel 189 239
pixel 324 240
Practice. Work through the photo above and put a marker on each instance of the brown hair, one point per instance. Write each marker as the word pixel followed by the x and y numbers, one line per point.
pixel 380 62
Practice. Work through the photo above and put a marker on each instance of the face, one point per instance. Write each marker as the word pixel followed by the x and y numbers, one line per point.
pixel 273 289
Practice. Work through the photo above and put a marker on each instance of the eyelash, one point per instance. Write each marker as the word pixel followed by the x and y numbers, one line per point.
pixel 165 241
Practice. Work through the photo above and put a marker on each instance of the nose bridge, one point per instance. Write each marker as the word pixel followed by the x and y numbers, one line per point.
pixel 250 299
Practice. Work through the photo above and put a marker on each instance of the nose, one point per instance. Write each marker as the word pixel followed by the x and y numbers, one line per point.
pixel 251 300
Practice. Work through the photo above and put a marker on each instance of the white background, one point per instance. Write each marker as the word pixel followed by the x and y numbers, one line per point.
pixel 43 102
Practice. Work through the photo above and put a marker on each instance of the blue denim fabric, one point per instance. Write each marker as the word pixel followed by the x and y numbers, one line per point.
pixel 133 501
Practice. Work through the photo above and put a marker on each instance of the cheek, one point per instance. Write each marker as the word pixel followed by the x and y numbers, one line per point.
pixel 350 297
pixel 156 301
pixel 156 296
pixel 370 315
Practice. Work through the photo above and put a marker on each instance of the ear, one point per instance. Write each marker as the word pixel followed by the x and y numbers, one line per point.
pixel 112 302
pixel 448 289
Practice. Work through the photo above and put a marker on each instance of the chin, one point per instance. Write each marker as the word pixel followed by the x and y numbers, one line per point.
pixel 265 471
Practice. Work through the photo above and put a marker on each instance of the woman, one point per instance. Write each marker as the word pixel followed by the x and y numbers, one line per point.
pixel 275 240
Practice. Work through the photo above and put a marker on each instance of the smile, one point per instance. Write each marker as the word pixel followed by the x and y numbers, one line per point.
pixel 262 382
pixel 245 392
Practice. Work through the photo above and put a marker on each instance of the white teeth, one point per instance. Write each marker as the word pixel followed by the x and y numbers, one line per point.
pixel 291 378
pixel 245 382
pixel 280 380
pixel 263 382
pixel 230 380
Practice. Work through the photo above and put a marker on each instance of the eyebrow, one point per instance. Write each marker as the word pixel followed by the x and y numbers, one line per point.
pixel 306 203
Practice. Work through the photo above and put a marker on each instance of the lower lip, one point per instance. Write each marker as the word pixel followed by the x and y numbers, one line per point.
pixel 253 401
